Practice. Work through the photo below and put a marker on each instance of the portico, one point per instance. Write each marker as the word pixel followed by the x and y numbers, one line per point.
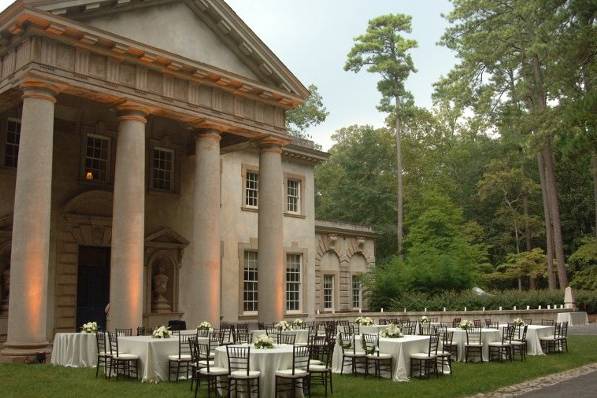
pixel 50 62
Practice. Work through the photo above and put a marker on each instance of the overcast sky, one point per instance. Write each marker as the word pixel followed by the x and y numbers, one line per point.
pixel 312 37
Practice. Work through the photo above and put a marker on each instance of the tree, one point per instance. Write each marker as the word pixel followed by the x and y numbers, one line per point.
pixel 527 264
pixel 383 49
pixel 311 113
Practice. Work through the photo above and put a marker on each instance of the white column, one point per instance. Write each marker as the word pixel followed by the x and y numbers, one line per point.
pixel 31 227
pixel 271 268
pixel 128 222
pixel 204 277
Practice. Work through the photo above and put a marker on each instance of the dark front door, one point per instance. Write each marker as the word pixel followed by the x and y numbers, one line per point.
pixel 93 285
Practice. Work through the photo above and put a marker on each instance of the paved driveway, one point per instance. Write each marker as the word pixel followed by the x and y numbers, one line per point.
pixel 579 387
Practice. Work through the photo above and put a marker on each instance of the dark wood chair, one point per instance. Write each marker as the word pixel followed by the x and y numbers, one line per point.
pixel 241 378
pixel 423 364
pixel 500 350
pixel 448 352
pixel 352 356
pixel 382 362
pixel 297 377
pixel 121 363
pixel 474 344
pixel 103 353
pixel 322 374
pixel 204 369
pixel 180 364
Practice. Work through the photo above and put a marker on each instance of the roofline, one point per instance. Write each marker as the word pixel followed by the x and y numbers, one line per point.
pixel 345 228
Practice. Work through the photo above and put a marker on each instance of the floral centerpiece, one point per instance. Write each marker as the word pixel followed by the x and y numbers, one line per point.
pixel 364 321
pixel 424 319
pixel 518 322
pixel 391 331
pixel 161 333
pixel 298 324
pixel 264 342
pixel 283 326
pixel 205 326
pixel 465 324
pixel 89 327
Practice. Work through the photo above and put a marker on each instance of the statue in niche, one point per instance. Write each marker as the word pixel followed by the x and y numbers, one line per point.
pixel 5 290
pixel 160 289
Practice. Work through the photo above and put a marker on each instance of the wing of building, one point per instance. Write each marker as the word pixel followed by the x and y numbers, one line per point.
pixel 146 175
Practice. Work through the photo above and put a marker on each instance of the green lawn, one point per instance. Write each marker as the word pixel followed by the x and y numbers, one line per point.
pixel 48 381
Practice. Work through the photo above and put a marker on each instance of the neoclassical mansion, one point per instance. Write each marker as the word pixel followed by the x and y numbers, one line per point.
pixel 146 175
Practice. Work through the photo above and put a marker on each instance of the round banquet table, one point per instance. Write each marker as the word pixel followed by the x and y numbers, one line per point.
pixel 487 336
pixel 267 361
pixel 400 348
pixel 153 354
pixel 302 335
pixel 573 318
pixel 76 350
pixel 534 333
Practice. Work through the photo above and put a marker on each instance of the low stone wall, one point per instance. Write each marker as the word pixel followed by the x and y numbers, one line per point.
pixel 504 316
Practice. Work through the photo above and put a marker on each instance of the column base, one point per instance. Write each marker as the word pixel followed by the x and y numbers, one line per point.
pixel 26 353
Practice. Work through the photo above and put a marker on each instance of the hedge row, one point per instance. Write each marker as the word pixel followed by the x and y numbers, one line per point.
pixel 456 301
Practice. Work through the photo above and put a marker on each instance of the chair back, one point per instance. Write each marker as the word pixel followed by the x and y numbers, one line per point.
pixel 446 338
pixel 477 323
pixel 183 344
pixel 113 341
pixel 177 324
pixel 286 338
pixel 488 322
pixel 424 329
pixel 508 334
pixel 203 332
pixel 348 329
pixel 243 327
pixel 409 328
pixel 300 358
pixel 271 331
pixel 528 321
pixel 521 333
pixel 473 336
pixel 455 322
pixel 203 355
pixel 564 330
pixel 346 341
pixel 239 358
pixel 100 341
pixel 370 343
pixel 124 332
pixel 433 344
pixel 242 337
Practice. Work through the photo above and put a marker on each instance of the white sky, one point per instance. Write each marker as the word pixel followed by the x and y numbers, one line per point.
pixel 312 37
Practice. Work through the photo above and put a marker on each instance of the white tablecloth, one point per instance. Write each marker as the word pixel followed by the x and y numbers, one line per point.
pixel 302 335
pixel 573 318
pixel 77 350
pixel 153 355
pixel 401 349
pixel 267 361
pixel 371 329
pixel 487 336
pixel 534 333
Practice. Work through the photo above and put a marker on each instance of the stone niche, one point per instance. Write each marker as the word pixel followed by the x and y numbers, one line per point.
pixel 163 255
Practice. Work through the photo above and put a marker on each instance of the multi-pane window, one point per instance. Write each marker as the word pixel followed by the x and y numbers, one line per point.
pixel 328 292
pixel 250 280
pixel 97 158
pixel 357 292
pixel 293 282
pixel 162 170
pixel 13 135
pixel 251 189
pixel 293 195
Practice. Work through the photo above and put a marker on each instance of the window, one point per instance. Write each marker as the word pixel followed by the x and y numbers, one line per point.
pixel 293 194
pixel 162 169
pixel 357 292
pixel 293 282
pixel 250 294
pixel 251 189
pixel 328 292
pixel 97 158
pixel 13 136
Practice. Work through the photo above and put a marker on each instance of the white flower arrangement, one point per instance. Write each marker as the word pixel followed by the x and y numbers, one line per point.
pixel 391 331
pixel 283 326
pixel 205 326
pixel 465 324
pixel 89 327
pixel 424 319
pixel 264 342
pixel 518 322
pixel 298 324
pixel 161 333
pixel 364 321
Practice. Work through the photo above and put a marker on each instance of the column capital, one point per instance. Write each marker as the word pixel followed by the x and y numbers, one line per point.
pixel 208 134
pixel 132 111
pixel 272 144
pixel 40 90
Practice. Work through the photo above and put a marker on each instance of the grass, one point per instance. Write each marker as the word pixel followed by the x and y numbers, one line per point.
pixel 42 381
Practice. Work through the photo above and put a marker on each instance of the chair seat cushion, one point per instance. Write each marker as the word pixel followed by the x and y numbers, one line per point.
pixel 516 342
pixel 548 338
pixel 318 368
pixel 127 357
pixel 298 373
pixel 354 354
pixel 242 374
pixel 183 357
pixel 379 356
pixel 204 363
pixel 301 344
pixel 422 355
pixel 215 371
pixel 498 344
pixel 104 354
pixel 315 362
pixel 443 353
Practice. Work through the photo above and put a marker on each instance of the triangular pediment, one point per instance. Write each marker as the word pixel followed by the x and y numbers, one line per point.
pixel 205 31
pixel 166 235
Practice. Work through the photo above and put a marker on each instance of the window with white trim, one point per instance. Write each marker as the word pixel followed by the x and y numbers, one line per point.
pixel 357 292
pixel 250 280
pixel 293 282
pixel 162 169
pixel 328 292
pixel 97 158
pixel 293 196
pixel 251 189
pixel 13 136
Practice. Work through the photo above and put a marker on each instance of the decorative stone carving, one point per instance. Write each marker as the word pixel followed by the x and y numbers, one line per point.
pixel 160 289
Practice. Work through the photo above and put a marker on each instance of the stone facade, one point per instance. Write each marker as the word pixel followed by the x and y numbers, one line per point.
pixel 104 108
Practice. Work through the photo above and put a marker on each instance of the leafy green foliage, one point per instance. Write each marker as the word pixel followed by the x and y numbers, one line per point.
pixel 527 264
pixel 583 265
pixel 309 114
